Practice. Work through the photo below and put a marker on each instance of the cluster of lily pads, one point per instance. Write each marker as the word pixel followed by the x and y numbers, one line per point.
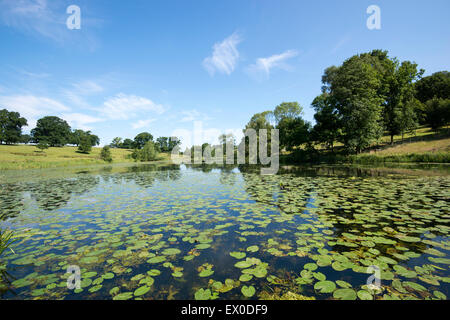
pixel 210 235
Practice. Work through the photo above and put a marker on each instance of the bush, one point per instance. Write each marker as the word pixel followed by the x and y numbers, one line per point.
pixel 147 153
pixel 85 145
pixel 42 146
pixel 105 154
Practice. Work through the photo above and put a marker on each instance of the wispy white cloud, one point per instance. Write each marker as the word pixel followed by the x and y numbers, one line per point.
pixel 32 107
pixel 224 57
pixel 78 92
pixel 29 74
pixel 33 16
pixel 80 121
pixel 47 19
pixel 124 107
pixel 263 66
pixel 142 123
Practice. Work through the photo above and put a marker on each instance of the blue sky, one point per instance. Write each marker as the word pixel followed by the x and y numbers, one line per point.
pixel 161 66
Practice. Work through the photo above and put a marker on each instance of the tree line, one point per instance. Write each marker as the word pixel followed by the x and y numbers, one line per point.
pixel 51 131
pixel 144 148
pixel 162 144
pixel 366 97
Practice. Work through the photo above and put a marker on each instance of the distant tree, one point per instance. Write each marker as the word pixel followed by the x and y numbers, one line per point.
pixel 293 132
pixel 163 144
pixel 55 131
pixel 127 144
pixel 435 86
pixel 141 139
pixel 85 145
pixel 287 110
pixel 78 135
pixel 437 112
pixel 116 142
pixel 260 121
pixel 75 137
pixel 147 153
pixel 42 145
pixel 11 124
pixel 25 138
pixel 327 128
pixel 95 140
pixel 105 154
pixel 173 142
pixel 227 138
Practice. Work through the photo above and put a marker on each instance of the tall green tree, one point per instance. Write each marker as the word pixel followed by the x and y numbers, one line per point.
pixel 327 129
pixel 356 90
pixel 55 131
pixel 293 132
pixel 287 110
pixel 163 144
pixel 127 144
pixel 78 135
pixel 435 86
pixel 141 139
pixel 437 113
pixel 11 124
pixel 400 103
pixel 116 142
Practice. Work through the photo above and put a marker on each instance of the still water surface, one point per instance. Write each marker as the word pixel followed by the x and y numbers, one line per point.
pixel 177 232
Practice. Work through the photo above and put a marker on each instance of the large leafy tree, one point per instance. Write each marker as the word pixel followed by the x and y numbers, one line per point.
pixel 260 121
pixel 288 110
pixel 53 130
pixel 127 144
pixel 116 142
pixel 163 144
pixel 437 113
pixel 11 124
pixel 356 90
pixel 435 86
pixel 327 129
pixel 293 130
pixel 78 136
pixel 141 139
pixel 400 103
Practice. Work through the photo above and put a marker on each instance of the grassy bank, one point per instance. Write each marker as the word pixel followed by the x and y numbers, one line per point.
pixel 28 157
pixel 425 146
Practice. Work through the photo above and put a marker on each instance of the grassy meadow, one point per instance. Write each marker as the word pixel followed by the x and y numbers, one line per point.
pixel 29 157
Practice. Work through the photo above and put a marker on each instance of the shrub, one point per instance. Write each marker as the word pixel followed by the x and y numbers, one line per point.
pixel 85 145
pixel 105 154
pixel 42 146
pixel 147 153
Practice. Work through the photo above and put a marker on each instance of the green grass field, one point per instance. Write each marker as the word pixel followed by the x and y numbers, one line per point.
pixel 28 156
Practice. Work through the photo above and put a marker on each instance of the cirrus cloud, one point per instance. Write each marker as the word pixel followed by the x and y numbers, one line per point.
pixel 224 57
pixel 263 66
